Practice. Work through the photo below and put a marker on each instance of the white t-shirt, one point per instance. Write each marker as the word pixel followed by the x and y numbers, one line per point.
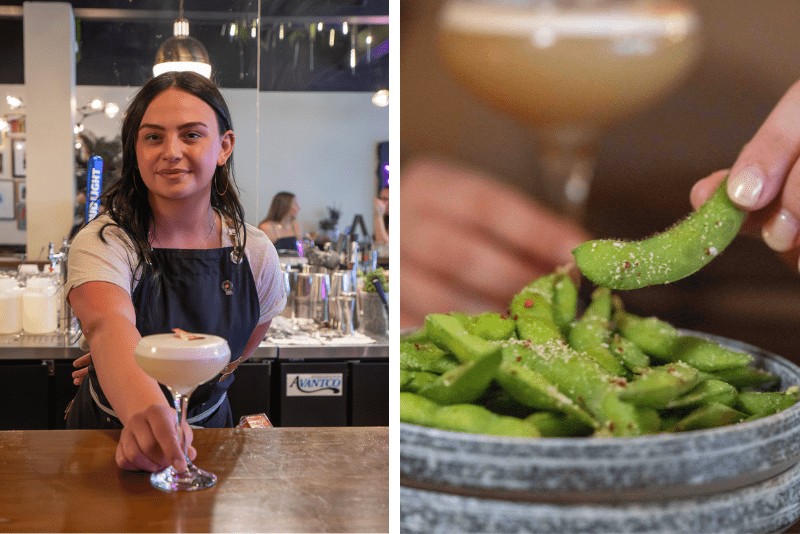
pixel 91 260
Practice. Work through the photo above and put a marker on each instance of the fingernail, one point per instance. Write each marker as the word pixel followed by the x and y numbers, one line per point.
pixel 780 233
pixel 179 465
pixel 745 188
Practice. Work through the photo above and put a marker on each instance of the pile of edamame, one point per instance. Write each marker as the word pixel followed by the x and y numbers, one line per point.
pixel 541 371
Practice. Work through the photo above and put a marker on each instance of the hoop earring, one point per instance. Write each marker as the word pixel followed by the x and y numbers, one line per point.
pixel 227 182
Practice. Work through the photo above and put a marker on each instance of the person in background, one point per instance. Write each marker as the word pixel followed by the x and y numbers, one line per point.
pixel 281 224
pixel 380 221
pixel 171 250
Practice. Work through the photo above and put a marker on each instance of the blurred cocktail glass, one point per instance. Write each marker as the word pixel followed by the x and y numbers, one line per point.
pixel 571 69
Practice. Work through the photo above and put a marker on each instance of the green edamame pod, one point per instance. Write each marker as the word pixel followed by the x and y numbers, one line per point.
pixel 565 303
pixel 462 418
pixel 449 334
pixel 425 357
pixel 654 336
pixel 668 256
pixel 592 328
pixel 532 389
pixel 580 378
pixel 416 410
pixel 465 383
pixel 532 309
pixel 537 330
pixel 631 355
pixel 491 326
pixel 534 318
pixel 405 378
pixel 417 336
pixel 503 425
pixel 649 420
pixel 709 416
pixel 608 360
pixel 558 425
pixel 748 377
pixel 763 404
pixel 413 381
pixel 659 386
pixel 706 392
pixel 707 355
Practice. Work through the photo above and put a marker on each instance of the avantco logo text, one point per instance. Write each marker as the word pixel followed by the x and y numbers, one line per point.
pixel 321 385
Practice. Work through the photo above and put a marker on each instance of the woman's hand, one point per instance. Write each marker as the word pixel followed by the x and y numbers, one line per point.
pixel 765 179
pixel 470 243
pixel 149 441
pixel 83 362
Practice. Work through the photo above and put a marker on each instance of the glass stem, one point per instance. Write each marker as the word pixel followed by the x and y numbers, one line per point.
pixel 567 163
pixel 181 405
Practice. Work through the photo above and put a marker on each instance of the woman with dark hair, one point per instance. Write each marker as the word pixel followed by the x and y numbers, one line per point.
pixel 281 224
pixel 172 250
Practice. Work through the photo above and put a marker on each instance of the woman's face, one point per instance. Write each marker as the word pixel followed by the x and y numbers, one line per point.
pixel 178 146
pixel 295 209
pixel 384 196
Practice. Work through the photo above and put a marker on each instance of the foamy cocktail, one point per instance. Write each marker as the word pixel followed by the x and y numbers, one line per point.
pixel 181 362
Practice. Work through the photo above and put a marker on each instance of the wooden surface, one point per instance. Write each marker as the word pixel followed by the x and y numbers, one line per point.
pixel 269 480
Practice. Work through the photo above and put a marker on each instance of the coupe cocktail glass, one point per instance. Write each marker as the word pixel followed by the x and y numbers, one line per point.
pixel 571 69
pixel 181 363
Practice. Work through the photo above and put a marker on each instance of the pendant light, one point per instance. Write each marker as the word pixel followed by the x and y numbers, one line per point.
pixel 181 52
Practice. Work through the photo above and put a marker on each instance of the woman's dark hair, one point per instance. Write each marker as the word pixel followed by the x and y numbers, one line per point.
pixel 280 207
pixel 127 202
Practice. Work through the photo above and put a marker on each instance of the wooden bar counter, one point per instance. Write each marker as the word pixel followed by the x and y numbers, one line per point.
pixel 269 480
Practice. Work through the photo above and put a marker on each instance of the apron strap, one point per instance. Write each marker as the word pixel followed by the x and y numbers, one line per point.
pixel 199 417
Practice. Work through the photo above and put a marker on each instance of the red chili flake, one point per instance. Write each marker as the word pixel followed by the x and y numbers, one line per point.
pixel 626 265
pixel 516 317
pixel 519 358
pixel 528 303
pixel 638 274
pixel 620 350
pixel 636 264
pixel 611 426
pixel 503 316
pixel 416 346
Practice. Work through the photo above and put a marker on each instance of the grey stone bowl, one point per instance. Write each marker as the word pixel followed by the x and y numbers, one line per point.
pixel 459 482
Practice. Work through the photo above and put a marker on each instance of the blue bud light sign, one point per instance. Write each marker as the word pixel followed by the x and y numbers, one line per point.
pixel 94 187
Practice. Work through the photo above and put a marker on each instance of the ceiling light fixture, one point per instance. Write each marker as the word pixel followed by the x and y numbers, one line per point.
pixel 93 107
pixel 14 102
pixel 181 52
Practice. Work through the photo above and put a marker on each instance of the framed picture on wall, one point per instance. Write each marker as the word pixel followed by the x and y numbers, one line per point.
pixel 5 158
pixel 18 157
pixel 19 191
pixel 6 199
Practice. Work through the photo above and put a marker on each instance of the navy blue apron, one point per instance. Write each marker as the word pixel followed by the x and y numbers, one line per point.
pixel 202 291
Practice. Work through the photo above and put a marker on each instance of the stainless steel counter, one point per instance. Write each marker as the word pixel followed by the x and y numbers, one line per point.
pixel 59 347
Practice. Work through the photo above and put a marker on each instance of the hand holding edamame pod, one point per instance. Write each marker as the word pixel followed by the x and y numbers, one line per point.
pixel 765 179
pixel 666 257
